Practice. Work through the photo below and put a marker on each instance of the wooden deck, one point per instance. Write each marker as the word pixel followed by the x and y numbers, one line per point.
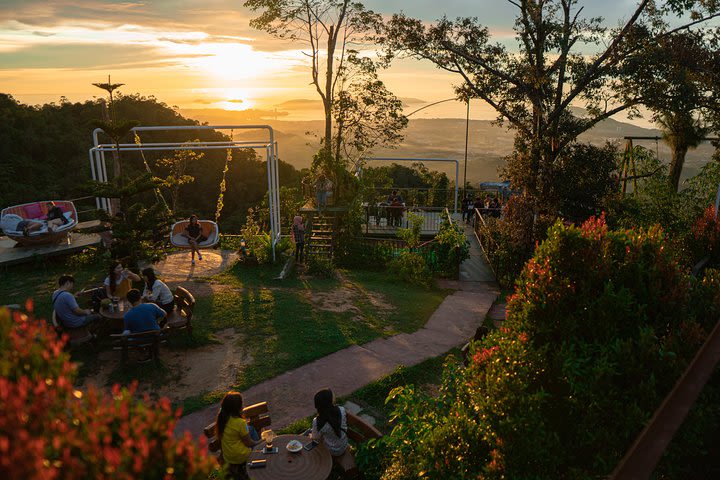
pixel 11 255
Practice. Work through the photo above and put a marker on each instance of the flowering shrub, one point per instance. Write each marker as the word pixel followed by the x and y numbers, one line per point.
pixel 601 325
pixel 50 430
pixel 706 232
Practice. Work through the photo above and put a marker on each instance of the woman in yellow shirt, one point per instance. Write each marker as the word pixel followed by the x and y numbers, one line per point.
pixel 235 440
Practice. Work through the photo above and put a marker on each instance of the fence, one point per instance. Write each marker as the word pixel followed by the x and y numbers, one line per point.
pixel 386 219
pixel 500 260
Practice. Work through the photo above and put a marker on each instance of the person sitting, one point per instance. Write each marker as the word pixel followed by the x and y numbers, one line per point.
pixel 15 223
pixel 68 312
pixel 142 317
pixel 330 424
pixel 55 216
pixel 193 233
pixel 157 292
pixel 119 280
pixel 234 434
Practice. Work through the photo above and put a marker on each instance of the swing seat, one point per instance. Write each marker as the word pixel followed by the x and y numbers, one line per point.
pixel 209 230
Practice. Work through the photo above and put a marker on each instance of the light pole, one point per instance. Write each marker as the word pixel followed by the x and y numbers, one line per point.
pixel 467 132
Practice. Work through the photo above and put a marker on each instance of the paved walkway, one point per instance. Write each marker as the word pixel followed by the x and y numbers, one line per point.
pixel 290 395
pixel 176 267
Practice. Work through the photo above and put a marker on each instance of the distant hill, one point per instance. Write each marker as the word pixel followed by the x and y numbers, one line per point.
pixel 441 137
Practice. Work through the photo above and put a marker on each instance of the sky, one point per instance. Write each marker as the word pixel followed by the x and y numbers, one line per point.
pixel 203 54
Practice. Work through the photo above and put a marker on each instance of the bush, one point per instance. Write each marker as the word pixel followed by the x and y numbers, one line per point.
pixel 49 430
pixel 320 266
pixel 411 267
pixel 451 249
pixel 600 327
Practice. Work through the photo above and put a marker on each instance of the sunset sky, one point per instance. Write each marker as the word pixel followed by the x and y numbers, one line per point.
pixel 203 54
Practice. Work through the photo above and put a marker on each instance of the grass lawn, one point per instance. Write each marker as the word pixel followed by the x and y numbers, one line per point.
pixel 284 327
pixel 280 325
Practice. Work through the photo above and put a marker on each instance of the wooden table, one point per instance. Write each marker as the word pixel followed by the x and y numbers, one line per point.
pixel 313 465
pixel 114 318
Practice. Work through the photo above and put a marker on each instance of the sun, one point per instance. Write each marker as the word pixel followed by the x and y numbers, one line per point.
pixel 235 99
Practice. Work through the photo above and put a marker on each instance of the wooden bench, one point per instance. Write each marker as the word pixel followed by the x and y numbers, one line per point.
pixel 76 336
pixel 358 432
pixel 181 317
pixel 149 341
pixel 257 415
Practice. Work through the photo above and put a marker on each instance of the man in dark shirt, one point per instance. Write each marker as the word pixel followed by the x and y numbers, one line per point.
pixel 142 317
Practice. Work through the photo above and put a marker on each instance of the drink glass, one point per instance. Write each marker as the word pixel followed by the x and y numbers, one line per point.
pixel 268 436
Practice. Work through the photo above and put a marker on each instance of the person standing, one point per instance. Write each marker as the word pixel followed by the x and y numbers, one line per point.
pixel 298 232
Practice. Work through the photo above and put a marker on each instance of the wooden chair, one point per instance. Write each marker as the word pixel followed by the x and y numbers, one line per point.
pixel 149 341
pixel 76 336
pixel 258 416
pixel 181 317
pixel 358 432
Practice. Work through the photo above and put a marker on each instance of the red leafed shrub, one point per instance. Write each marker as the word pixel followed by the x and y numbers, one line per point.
pixel 706 231
pixel 50 430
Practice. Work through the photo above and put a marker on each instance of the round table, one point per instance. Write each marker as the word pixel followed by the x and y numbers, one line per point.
pixel 313 465
pixel 114 318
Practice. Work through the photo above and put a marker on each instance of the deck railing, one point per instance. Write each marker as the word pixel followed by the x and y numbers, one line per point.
pixel 383 220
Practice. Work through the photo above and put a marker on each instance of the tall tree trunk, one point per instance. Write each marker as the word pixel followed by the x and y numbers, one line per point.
pixel 329 90
pixel 676 165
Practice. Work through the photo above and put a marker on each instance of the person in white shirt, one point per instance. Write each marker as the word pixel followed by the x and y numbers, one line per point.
pixel 157 292
pixel 330 425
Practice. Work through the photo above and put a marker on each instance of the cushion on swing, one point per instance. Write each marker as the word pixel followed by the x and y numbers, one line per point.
pixel 32 211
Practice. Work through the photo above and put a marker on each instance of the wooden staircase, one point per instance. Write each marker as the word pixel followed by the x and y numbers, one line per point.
pixel 321 239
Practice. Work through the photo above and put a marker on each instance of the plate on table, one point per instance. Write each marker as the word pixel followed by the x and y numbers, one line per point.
pixel 294 446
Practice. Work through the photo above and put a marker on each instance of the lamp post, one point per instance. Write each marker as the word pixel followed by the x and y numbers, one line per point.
pixel 467 132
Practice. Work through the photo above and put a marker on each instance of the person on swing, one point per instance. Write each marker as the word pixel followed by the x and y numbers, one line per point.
pixel 194 235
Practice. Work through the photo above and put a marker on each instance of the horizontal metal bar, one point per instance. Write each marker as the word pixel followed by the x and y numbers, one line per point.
pixel 101 148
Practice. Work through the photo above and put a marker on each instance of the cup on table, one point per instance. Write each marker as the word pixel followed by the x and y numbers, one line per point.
pixel 268 436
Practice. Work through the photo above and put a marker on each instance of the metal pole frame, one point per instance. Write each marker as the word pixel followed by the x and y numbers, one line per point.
pixel 407 159
pixel 98 167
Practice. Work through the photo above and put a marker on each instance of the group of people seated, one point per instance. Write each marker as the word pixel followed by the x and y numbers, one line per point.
pixel 489 206
pixel 54 218
pixel 391 209
pixel 148 311
pixel 237 437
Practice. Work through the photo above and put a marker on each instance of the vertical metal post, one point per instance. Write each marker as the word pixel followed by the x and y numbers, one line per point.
pixel 467 136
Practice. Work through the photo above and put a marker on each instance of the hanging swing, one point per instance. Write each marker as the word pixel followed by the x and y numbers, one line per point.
pixel 209 228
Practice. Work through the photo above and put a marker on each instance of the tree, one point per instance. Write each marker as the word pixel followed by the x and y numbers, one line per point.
pixel 534 88
pixel 114 128
pixel 177 166
pixel 366 113
pixel 326 27
pixel 678 78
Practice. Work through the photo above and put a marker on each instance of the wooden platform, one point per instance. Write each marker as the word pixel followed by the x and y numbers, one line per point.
pixel 11 255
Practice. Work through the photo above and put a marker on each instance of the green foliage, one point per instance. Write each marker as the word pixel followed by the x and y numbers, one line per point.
pixel 255 240
pixel 411 235
pixel 451 249
pixel 655 202
pixel 73 434
pixel 411 267
pixel 601 325
pixel 176 167
pixel 58 134
pixel 320 266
